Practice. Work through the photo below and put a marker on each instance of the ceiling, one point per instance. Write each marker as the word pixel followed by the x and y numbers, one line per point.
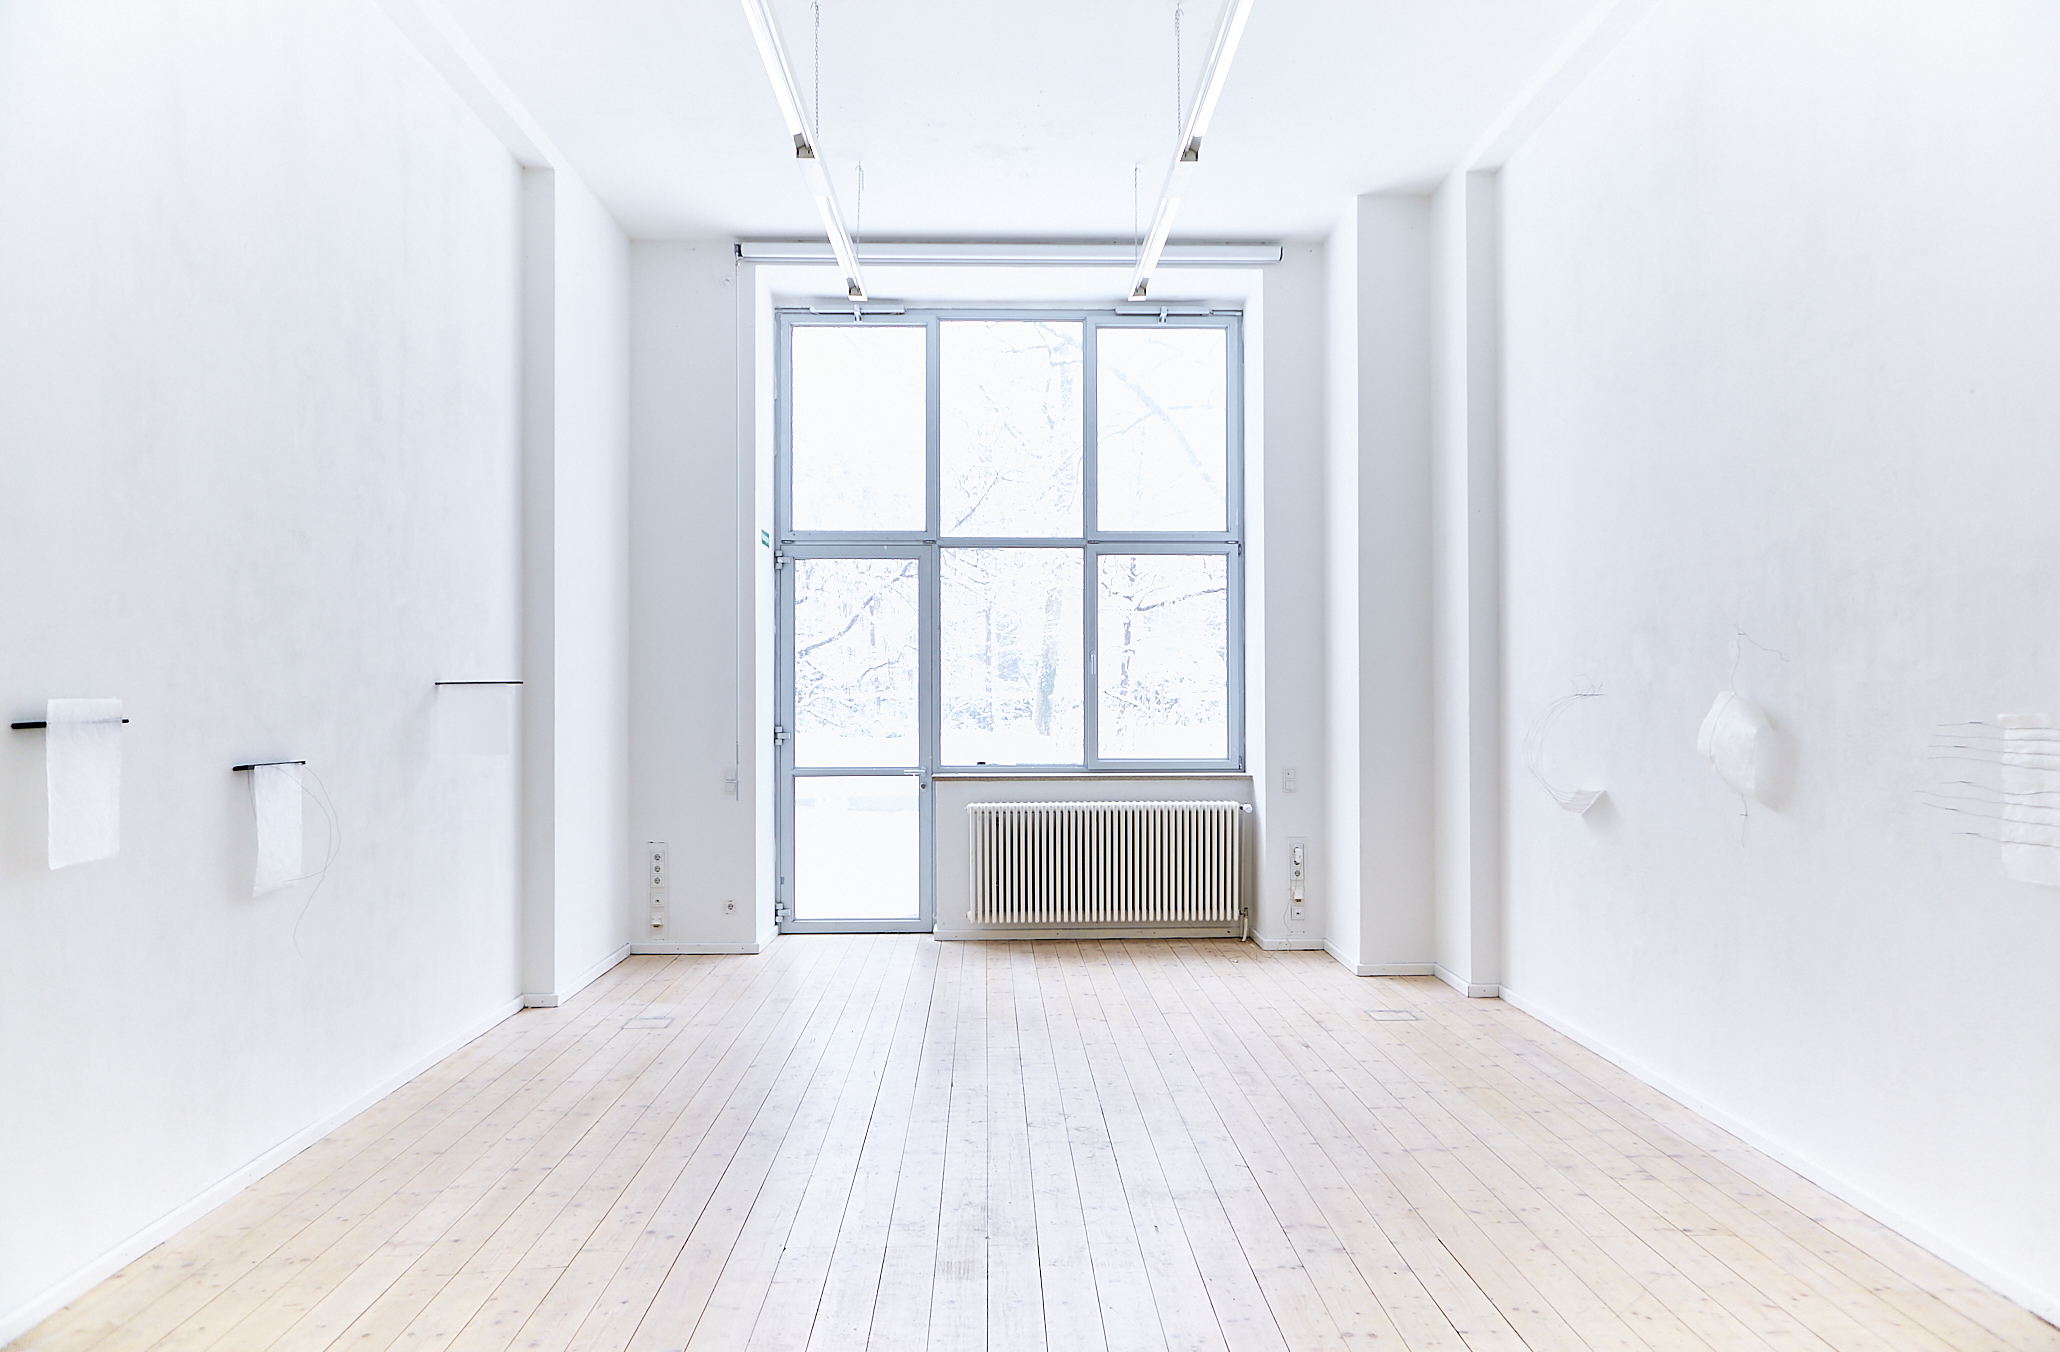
pixel 987 121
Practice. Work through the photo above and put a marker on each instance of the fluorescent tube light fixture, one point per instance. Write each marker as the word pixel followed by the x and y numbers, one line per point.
pixel 1154 242
pixel 767 36
pixel 1188 150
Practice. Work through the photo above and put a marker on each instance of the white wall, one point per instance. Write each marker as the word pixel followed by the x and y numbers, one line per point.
pixel 1284 594
pixel 1377 562
pixel 592 853
pixel 1466 615
pixel 693 531
pixel 259 308
pixel 1782 313
pixel 1341 765
pixel 690 536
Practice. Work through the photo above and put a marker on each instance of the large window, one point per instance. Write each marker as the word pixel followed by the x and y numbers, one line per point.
pixel 1007 542
pixel 1012 539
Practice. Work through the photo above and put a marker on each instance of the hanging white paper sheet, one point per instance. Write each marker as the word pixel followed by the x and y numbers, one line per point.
pixel 2031 798
pixel 476 720
pixel 82 759
pixel 1732 737
pixel 275 794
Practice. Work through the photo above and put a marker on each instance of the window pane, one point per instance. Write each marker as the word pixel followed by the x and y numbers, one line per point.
pixel 1161 661
pixel 857 846
pixel 1011 656
pixel 1160 419
pixel 1009 447
pixel 855 661
pixel 860 415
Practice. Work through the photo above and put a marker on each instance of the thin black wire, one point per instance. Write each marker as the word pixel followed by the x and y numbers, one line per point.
pixel 818 109
pixel 1179 77
pixel 329 856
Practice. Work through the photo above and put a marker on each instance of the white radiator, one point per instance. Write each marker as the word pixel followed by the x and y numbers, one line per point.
pixel 1106 863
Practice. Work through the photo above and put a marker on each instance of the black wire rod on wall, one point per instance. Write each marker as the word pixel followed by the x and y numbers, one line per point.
pixel 39 723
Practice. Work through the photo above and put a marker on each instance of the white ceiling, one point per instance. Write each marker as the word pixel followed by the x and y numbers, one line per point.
pixel 987 121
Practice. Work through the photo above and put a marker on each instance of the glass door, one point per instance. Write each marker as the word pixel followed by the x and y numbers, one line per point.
pixel 855 687
pixel 852 765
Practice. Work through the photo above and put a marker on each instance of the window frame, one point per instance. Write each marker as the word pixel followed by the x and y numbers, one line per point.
pixel 1091 545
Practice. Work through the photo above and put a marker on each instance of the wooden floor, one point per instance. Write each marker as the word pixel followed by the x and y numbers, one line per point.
pixel 887 1142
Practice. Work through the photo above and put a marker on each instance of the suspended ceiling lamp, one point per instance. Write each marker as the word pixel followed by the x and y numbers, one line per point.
pixel 788 93
pixel 1187 151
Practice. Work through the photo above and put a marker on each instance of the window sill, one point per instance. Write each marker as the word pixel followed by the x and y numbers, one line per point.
pixel 1089 774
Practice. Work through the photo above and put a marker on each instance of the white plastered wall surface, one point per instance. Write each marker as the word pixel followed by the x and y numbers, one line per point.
pixel 261 352
pixel 592 855
pixel 1782 311
pixel 701 530
pixel 694 550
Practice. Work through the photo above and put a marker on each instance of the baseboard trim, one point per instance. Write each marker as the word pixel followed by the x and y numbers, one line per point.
pixel 689 950
pixel 14 1323
pixel 1379 968
pixel 2044 1304
pixel 595 973
pixel 553 999
pixel 1471 990
pixel 1294 943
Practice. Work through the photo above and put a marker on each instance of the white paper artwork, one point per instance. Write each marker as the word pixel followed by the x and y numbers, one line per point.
pixel 82 760
pixel 275 795
pixel 476 720
pixel 1734 737
pixel 1576 801
pixel 2031 798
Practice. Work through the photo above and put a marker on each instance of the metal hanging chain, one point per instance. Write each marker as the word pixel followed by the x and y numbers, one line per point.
pixel 1136 240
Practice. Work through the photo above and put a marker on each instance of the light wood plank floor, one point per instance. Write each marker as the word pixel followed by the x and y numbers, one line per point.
pixel 883 1142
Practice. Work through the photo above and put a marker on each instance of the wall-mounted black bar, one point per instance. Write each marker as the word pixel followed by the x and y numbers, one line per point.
pixel 255 764
pixel 39 723
pixel 479 683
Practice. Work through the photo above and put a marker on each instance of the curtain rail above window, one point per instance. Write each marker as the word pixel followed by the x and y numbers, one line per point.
pixel 1020 255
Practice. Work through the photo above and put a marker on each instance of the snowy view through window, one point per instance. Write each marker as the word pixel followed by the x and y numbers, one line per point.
pixel 1070 596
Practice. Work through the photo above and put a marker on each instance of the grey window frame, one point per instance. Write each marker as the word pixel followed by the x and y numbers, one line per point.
pixel 927 547
pixel 1092 545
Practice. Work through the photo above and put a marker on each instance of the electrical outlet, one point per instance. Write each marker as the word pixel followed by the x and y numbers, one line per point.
pixel 657 882
pixel 729 908
pixel 1298 883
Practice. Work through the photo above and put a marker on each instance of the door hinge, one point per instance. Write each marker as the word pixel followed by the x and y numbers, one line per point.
pixel 779 735
pixel 779 559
